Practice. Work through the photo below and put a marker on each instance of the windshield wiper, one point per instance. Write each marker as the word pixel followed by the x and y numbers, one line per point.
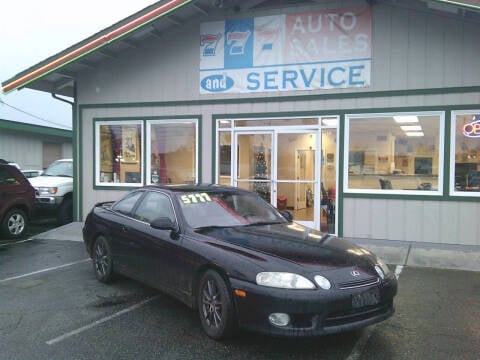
pixel 209 227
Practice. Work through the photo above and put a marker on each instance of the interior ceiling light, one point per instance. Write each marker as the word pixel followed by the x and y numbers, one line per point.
pixel 330 121
pixel 415 133
pixel 402 119
pixel 411 128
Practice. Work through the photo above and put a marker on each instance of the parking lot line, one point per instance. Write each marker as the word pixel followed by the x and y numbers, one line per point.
pixel 101 321
pixel 44 270
pixel 16 242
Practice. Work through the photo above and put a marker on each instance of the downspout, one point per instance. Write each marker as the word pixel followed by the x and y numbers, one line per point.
pixel 75 152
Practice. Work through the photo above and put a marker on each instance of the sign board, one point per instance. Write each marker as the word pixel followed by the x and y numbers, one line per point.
pixel 301 51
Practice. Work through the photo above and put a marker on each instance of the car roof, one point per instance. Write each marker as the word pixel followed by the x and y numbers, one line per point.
pixel 183 188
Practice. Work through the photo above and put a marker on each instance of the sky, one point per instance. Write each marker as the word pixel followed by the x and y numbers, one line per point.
pixel 33 30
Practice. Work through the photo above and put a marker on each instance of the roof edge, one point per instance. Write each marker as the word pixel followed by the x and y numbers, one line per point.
pixel 93 43
pixel 37 129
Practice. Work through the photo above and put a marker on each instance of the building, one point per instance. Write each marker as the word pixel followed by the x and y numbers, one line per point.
pixel 33 146
pixel 361 117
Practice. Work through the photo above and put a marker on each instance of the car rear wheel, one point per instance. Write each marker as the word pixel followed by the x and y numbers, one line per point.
pixel 215 306
pixel 15 223
pixel 102 260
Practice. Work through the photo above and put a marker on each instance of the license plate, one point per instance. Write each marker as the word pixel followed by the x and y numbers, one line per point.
pixel 367 298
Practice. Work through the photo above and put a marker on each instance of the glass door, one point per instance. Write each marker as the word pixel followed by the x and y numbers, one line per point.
pixel 293 169
pixel 297 176
pixel 253 165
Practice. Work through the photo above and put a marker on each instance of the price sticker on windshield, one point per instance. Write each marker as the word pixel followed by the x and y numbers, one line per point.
pixel 196 198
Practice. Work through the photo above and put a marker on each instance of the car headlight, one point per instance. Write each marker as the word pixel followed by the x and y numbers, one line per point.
pixel 382 268
pixel 284 280
pixel 47 190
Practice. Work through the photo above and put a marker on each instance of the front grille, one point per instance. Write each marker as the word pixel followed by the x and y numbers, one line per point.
pixel 358 283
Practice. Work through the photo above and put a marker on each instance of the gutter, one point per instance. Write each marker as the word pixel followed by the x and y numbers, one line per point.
pixel 55 96
pixel 94 45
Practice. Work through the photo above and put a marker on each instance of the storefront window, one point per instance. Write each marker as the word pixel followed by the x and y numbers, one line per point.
pixel 172 151
pixel 465 153
pixel 394 153
pixel 118 153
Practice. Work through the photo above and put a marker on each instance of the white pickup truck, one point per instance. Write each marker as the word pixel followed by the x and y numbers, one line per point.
pixel 54 191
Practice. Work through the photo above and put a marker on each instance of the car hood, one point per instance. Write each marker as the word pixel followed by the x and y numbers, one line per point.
pixel 293 243
pixel 48 181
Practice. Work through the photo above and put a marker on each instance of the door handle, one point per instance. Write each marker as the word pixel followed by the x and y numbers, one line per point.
pixel 124 228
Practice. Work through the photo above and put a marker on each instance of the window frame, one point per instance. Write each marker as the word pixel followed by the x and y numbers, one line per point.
pixel 148 143
pixel 440 151
pixel 97 151
pixel 453 139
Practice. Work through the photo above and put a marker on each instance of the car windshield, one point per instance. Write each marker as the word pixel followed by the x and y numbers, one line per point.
pixel 227 209
pixel 60 168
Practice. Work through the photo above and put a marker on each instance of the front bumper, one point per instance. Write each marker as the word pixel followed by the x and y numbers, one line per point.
pixel 312 312
pixel 46 206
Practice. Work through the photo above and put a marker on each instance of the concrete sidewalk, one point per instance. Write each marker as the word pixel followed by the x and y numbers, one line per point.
pixel 404 253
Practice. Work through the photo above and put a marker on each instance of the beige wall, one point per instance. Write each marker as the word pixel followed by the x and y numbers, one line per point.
pixel 412 50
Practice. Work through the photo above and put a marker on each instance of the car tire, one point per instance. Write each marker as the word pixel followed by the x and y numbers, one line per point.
pixel 215 306
pixel 65 212
pixel 15 223
pixel 102 260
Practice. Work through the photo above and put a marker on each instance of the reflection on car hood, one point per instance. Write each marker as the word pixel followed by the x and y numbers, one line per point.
pixel 295 243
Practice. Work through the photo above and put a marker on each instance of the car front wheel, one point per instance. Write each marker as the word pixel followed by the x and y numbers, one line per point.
pixel 15 223
pixel 65 212
pixel 102 260
pixel 215 306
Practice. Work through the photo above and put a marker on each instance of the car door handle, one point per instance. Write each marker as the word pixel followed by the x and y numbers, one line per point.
pixel 124 228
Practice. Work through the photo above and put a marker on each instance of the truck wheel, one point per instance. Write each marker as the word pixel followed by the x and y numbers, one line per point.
pixel 65 212
pixel 15 223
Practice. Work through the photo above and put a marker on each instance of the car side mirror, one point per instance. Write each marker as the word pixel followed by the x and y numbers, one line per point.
pixel 287 215
pixel 163 223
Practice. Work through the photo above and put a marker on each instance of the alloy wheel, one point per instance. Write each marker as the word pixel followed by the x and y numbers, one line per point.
pixel 212 304
pixel 101 259
pixel 215 306
pixel 16 224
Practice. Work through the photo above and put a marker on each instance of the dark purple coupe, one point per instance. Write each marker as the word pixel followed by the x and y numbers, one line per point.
pixel 239 261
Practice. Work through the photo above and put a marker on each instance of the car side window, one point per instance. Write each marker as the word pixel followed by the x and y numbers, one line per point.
pixel 153 206
pixel 6 178
pixel 126 205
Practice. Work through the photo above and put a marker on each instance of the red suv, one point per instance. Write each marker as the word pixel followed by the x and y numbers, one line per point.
pixel 16 201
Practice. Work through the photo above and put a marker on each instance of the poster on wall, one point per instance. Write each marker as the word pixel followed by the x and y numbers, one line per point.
pixel 303 51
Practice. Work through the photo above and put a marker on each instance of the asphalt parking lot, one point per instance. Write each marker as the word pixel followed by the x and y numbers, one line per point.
pixel 52 307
